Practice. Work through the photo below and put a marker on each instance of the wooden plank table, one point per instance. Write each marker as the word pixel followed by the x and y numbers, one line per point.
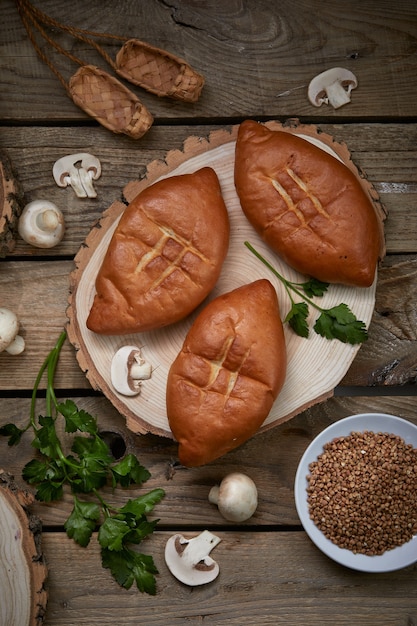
pixel 257 57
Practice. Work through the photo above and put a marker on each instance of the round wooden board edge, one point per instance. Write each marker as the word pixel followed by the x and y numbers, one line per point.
pixel 193 145
pixel 20 500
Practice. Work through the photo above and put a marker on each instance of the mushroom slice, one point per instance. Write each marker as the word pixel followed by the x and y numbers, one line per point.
pixel 332 87
pixel 41 224
pixel 128 370
pixel 189 560
pixel 78 170
pixel 10 341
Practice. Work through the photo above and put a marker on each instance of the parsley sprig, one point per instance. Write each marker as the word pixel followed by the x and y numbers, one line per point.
pixel 89 467
pixel 337 322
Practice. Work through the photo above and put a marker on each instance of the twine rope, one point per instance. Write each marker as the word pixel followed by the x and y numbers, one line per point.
pixel 33 17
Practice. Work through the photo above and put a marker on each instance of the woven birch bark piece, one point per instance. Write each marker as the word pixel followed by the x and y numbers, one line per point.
pixel 158 71
pixel 23 571
pixel 315 365
pixel 109 102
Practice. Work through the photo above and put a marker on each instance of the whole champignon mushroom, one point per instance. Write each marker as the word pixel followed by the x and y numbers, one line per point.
pixel 10 341
pixel 128 370
pixel 189 560
pixel 41 224
pixel 66 172
pixel 332 87
pixel 236 497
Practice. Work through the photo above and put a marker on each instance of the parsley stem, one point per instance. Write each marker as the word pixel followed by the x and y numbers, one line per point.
pixel 49 364
pixel 287 283
pixel 104 505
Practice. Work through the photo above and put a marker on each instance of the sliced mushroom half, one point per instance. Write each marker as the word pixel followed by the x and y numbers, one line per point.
pixel 332 87
pixel 78 170
pixel 128 370
pixel 188 559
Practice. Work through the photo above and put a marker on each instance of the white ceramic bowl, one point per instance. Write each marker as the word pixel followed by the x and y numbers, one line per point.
pixel 376 422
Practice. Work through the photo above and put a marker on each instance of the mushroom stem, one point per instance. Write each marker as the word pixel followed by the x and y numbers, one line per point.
pixel 337 94
pixel 17 346
pixel 128 369
pixel 10 341
pixel 47 220
pixel 198 548
pixel 214 494
pixel 86 179
pixel 140 369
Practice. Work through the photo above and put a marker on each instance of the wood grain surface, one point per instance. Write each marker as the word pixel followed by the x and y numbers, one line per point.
pixel 257 57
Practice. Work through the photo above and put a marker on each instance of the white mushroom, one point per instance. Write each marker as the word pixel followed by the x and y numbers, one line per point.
pixel 41 224
pixel 236 497
pixel 189 560
pixel 332 87
pixel 78 170
pixel 128 370
pixel 9 328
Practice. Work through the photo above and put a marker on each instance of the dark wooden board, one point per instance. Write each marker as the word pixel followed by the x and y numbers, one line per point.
pixel 266 578
pixel 387 153
pixel 257 57
pixel 270 458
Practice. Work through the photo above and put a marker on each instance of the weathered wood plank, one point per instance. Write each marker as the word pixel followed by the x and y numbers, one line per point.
pixel 270 458
pixel 387 153
pixel 265 579
pixel 389 356
pixel 38 293
pixel 257 57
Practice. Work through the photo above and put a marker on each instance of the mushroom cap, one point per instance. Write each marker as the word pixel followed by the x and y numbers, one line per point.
pixel 9 327
pixel 317 87
pixel 236 497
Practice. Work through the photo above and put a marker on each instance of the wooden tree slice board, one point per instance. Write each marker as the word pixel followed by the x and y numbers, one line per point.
pixel 315 365
pixel 22 570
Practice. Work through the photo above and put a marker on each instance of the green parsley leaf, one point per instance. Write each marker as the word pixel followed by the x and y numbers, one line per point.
pixel 94 458
pixel 140 530
pixel 112 533
pixel 314 287
pixel 46 440
pixel 143 504
pixel 87 469
pixel 77 419
pixel 48 476
pixel 49 491
pixel 13 432
pixel 94 447
pixel 336 323
pixel 128 567
pixel 129 471
pixel 89 476
pixel 340 323
pixel 297 318
pixel 36 471
pixel 82 521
